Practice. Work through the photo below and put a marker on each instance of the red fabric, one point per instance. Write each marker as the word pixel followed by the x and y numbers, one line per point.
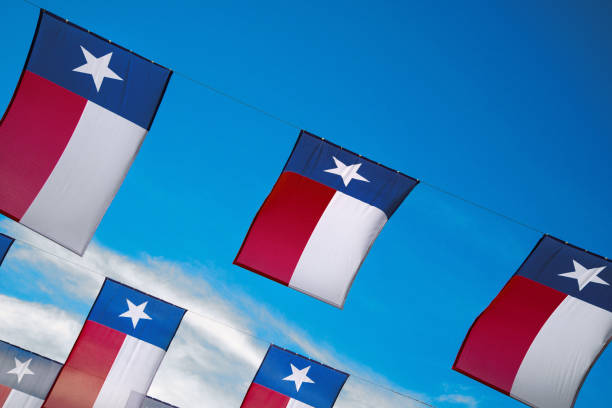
pixel 33 136
pixel 4 393
pixel 88 364
pixel 259 396
pixel 283 226
pixel 496 344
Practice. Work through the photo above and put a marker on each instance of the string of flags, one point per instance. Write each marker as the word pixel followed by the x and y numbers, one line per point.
pixel 26 379
pixel 207 317
pixel 79 114
pixel 119 350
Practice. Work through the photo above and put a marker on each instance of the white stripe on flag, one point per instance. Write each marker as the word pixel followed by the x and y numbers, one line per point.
pixel 18 399
pixel 132 371
pixel 86 178
pixel 297 404
pixel 561 354
pixel 336 248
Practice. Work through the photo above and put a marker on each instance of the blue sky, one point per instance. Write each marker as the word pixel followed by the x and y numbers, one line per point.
pixel 506 104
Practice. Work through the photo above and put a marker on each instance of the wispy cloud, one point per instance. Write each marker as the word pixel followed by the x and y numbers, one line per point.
pixel 43 329
pixel 208 361
pixel 466 400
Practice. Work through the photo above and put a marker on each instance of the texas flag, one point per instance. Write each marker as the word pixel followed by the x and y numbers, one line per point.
pixel 150 402
pixel 317 225
pixel 288 380
pixel 540 336
pixel 5 244
pixel 25 377
pixel 118 352
pixel 79 114
pixel 139 400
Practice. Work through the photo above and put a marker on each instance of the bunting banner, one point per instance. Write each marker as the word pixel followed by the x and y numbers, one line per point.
pixel 288 380
pixel 538 339
pixel 25 377
pixel 118 351
pixel 317 225
pixel 139 400
pixel 5 244
pixel 150 402
pixel 79 115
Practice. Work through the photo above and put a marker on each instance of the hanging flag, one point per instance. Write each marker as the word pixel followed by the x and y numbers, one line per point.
pixel 138 400
pixel 288 380
pixel 5 245
pixel 539 337
pixel 317 225
pixel 79 114
pixel 25 377
pixel 118 352
pixel 150 402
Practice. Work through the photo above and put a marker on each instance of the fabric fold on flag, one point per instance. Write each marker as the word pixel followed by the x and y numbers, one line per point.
pixel 78 117
pixel 118 351
pixel 288 380
pixel 540 336
pixel 5 244
pixel 25 377
pixel 314 230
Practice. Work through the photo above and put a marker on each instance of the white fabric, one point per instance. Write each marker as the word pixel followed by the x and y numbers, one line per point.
pixel 18 399
pixel 336 248
pixel 132 372
pixel 86 178
pixel 561 354
pixel 297 404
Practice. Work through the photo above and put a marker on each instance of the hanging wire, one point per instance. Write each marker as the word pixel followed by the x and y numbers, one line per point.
pixel 293 125
pixel 31 3
pixel 480 206
pixel 215 320
pixel 237 100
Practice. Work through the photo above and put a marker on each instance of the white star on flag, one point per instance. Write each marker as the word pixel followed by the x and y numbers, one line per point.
pixel 21 369
pixel 97 68
pixel 585 276
pixel 299 376
pixel 348 173
pixel 136 312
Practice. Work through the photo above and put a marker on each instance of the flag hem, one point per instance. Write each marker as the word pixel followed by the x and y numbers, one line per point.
pixel 307 133
pixel 32 352
pixel 66 21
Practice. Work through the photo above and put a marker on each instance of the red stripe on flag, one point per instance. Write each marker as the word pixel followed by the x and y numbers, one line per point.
pixel 283 225
pixel 4 393
pixel 85 371
pixel 259 396
pixel 496 344
pixel 33 136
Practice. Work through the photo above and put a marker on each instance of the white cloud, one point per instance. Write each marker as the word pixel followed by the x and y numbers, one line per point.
pixel 466 400
pixel 208 360
pixel 43 329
